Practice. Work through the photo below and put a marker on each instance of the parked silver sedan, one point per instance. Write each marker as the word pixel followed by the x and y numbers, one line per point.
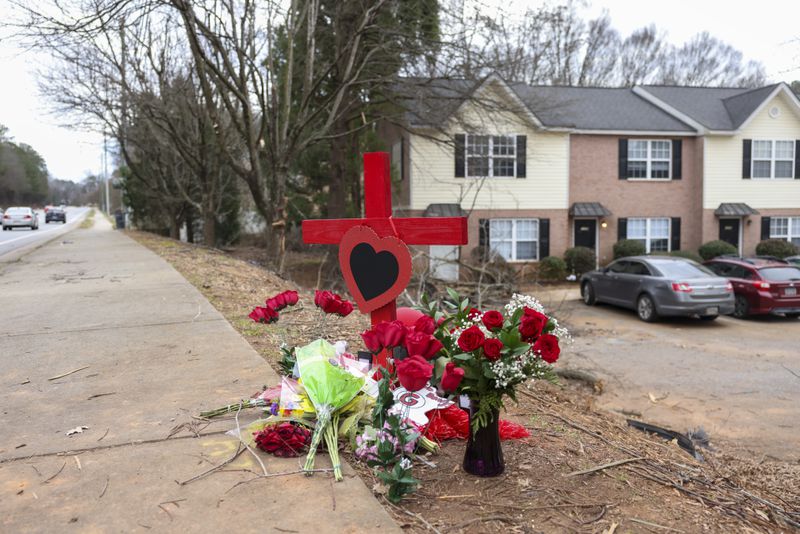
pixel 657 286
pixel 20 217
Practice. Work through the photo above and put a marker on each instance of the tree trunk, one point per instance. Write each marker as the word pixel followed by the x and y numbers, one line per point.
pixel 338 186
pixel 209 229
pixel 175 227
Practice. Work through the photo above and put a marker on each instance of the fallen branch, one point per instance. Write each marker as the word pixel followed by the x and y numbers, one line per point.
pixel 104 488
pixel 654 525
pixel 604 466
pixel 62 375
pixel 57 473
pixel 235 455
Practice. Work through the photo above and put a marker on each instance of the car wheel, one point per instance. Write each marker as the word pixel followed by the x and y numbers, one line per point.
pixel 708 317
pixel 793 315
pixel 587 292
pixel 741 308
pixel 646 309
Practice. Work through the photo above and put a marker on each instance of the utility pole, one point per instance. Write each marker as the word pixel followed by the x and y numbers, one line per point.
pixel 105 174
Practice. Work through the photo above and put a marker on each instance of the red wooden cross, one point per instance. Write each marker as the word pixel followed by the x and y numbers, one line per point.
pixel 378 216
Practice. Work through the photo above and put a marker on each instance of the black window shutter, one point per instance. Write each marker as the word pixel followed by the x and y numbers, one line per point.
pixel 522 147
pixel 483 237
pixel 676 234
pixel 622 229
pixel 623 159
pixel 797 159
pixel 764 228
pixel 747 150
pixel 544 238
pixel 459 154
pixel 677 159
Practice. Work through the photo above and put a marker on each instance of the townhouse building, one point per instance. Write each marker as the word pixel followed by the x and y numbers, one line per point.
pixel 541 169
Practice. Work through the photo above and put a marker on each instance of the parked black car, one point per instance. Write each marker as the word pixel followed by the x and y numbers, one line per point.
pixel 55 215
pixel 659 286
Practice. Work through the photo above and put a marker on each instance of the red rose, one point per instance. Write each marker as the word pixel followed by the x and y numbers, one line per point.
pixel 391 333
pixel 451 378
pixel 284 439
pixel 423 344
pixel 263 315
pixel 425 324
pixel 492 348
pixel 281 300
pixel 473 311
pixel 345 308
pixel 493 320
pixel 372 341
pixel 414 372
pixel 547 347
pixel 532 324
pixel 471 339
pixel 290 297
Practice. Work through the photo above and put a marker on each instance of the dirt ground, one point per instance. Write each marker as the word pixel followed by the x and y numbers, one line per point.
pixel 737 379
pixel 632 482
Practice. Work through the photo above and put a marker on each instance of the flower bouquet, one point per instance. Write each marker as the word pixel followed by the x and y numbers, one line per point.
pixel 485 356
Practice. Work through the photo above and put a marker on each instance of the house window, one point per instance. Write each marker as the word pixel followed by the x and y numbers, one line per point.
pixel 773 159
pixel 787 228
pixel 649 159
pixel 652 233
pixel 515 239
pixel 491 155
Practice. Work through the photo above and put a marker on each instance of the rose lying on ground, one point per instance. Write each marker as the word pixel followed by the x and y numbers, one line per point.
pixel 284 439
pixel 282 300
pixel 263 315
pixel 330 302
pixel 414 372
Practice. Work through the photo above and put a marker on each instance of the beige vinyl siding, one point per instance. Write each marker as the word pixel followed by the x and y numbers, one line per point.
pixel 723 162
pixel 433 167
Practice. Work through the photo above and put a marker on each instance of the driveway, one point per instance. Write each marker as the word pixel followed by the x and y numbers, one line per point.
pixel 739 380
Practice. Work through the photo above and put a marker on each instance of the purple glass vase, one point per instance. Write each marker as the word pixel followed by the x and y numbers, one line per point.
pixel 484 455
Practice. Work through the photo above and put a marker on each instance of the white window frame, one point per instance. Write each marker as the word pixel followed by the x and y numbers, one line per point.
pixel 788 236
pixel 513 239
pixel 648 159
pixel 772 159
pixel 491 155
pixel 649 234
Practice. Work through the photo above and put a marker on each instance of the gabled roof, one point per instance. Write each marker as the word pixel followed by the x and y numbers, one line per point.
pixel 716 108
pixel 651 109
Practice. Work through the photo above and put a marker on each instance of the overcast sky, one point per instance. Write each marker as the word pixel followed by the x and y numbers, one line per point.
pixel 766 31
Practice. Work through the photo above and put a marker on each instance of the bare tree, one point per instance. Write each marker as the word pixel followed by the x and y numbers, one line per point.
pixel 705 60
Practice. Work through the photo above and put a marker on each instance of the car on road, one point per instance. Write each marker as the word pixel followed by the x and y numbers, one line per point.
pixel 794 260
pixel 55 214
pixel 761 286
pixel 20 217
pixel 658 286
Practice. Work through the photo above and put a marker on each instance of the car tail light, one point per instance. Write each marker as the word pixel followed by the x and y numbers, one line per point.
pixel 6 216
pixel 27 217
pixel 681 287
pixel 762 285
pixel 729 287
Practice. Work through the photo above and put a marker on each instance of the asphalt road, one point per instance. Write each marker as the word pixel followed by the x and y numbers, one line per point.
pixel 737 379
pixel 23 238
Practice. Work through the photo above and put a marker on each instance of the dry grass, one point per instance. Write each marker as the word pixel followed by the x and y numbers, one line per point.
pixel 663 490
pixel 88 222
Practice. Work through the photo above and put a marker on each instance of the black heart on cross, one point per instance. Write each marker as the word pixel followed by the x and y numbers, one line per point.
pixel 374 272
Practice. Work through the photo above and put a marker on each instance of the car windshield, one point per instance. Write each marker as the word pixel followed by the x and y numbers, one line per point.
pixel 20 211
pixel 681 269
pixel 780 274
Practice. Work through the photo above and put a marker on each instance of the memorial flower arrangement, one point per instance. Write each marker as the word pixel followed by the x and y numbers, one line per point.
pixel 440 353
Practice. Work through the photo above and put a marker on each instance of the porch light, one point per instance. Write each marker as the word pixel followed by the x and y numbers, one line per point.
pixel 603 224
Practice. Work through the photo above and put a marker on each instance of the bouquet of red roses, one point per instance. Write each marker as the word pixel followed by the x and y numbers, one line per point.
pixel 487 354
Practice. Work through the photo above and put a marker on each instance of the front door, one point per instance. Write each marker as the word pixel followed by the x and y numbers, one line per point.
pixel 729 231
pixel 586 233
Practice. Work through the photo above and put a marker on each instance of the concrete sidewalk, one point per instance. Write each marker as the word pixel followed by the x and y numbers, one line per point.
pixel 154 353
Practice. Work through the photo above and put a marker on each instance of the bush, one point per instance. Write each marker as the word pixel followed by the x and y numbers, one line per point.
pixel 776 247
pixel 628 247
pixel 552 268
pixel 580 260
pixel 686 254
pixel 712 249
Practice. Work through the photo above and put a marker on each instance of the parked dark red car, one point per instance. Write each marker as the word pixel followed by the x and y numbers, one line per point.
pixel 761 286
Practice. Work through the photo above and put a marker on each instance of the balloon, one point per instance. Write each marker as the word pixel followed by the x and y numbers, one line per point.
pixel 408 316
